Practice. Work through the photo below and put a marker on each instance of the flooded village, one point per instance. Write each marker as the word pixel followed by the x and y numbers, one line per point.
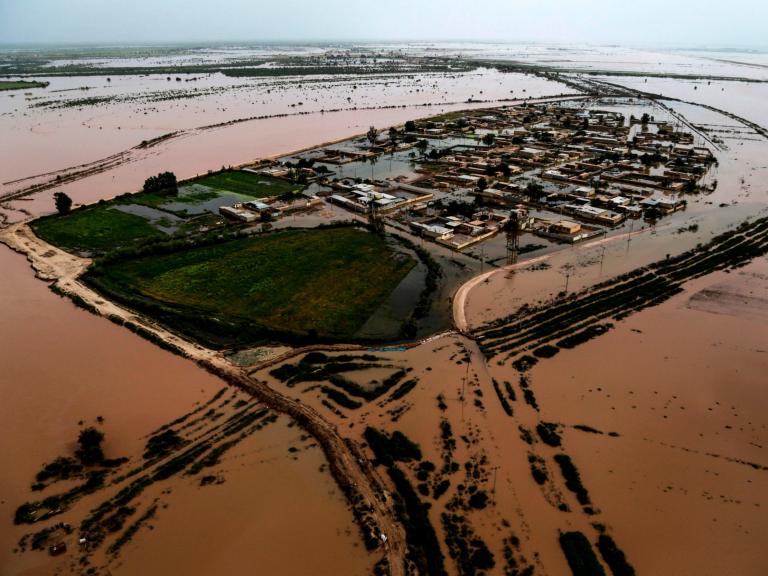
pixel 518 330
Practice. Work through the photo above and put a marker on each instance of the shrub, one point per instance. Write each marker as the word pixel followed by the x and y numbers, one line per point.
pixel 546 351
pixel 572 479
pixel 581 558
pixel 548 434
pixel 89 451
pixel 614 557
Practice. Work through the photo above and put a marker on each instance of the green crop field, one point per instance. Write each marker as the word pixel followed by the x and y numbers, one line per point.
pixel 94 229
pixel 248 183
pixel 20 84
pixel 292 284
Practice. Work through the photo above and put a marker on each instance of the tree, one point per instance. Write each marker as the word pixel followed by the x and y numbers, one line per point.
pixel 89 451
pixel 164 184
pixel 422 145
pixel 534 190
pixel 372 134
pixel 489 139
pixel 393 135
pixel 482 184
pixel 410 126
pixel 63 202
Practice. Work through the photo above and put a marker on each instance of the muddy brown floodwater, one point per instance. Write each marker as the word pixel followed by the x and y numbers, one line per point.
pixel 61 365
pixel 684 485
pixel 681 488
pixel 277 512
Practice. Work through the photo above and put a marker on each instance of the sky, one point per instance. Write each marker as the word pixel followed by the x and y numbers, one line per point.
pixel 677 23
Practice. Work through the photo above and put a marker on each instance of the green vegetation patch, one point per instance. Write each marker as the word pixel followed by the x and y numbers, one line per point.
pixel 317 283
pixel 20 85
pixel 249 184
pixel 95 229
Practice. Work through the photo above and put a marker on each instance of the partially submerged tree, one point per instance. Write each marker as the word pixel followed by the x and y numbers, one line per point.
pixel 63 202
pixel 534 190
pixel 372 135
pixel 89 451
pixel 393 135
pixel 163 184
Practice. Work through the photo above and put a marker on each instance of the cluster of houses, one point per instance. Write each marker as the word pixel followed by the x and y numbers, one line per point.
pixel 270 209
pixel 579 171
pixel 384 197
pixel 458 232
pixel 591 166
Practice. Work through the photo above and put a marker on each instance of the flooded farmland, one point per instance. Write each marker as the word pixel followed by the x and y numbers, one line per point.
pixel 661 415
pixel 64 368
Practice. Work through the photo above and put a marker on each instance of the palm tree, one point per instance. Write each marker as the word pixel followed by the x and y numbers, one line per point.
pixel 393 134
pixel 372 134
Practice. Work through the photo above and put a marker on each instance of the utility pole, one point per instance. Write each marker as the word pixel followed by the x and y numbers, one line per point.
pixel 602 257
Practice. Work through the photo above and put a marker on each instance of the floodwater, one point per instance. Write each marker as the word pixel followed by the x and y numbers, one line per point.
pixel 62 365
pixel 744 99
pixel 685 389
pixel 741 193
pixel 38 139
pixel 669 487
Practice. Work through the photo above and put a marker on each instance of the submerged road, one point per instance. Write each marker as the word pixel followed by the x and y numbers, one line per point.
pixel 462 294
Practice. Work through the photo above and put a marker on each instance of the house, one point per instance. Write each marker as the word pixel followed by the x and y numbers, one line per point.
pixel 238 212
pixel 565 227
pixel 432 230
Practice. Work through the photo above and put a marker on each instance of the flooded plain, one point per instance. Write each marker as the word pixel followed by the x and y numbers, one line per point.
pixel 63 368
pixel 683 485
pixel 680 384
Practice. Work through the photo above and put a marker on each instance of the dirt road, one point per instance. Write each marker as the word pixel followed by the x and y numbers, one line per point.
pixel 460 298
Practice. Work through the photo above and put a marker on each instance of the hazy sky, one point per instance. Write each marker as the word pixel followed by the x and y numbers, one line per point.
pixel 671 22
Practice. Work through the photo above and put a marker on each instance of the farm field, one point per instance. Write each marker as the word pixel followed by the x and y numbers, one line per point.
pixel 319 283
pixel 130 219
pixel 248 183
pixel 95 229
pixel 20 85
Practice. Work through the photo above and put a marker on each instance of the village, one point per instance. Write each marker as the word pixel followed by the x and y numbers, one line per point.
pixel 557 171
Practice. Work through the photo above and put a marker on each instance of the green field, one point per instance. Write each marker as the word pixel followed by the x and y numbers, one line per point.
pixel 248 183
pixel 20 84
pixel 94 229
pixel 99 229
pixel 292 285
